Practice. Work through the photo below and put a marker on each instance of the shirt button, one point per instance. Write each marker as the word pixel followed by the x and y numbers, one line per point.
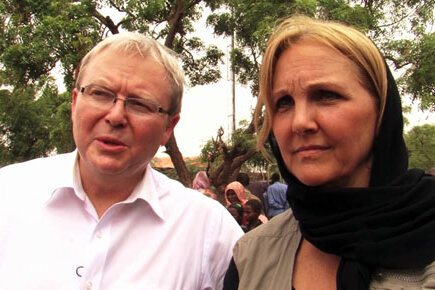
pixel 88 286
pixel 99 234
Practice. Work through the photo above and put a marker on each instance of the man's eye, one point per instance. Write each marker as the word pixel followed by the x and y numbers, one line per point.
pixel 284 103
pixel 99 93
pixel 140 105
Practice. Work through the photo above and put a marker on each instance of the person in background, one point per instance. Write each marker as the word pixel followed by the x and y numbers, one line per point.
pixel 235 193
pixel 276 196
pixel 258 188
pixel 201 182
pixel 244 179
pixel 251 213
pixel 209 193
pixel 359 218
pixel 431 171
pixel 236 210
pixel 101 217
pixel 265 203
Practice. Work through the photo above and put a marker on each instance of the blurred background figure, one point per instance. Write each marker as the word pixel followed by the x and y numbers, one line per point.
pixel 275 197
pixel 251 214
pixel 244 179
pixel 201 182
pixel 431 171
pixel 235 193
pixel 236 210
pixel 258 188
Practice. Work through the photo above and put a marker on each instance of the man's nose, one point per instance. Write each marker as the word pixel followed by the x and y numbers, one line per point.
pixel 116 116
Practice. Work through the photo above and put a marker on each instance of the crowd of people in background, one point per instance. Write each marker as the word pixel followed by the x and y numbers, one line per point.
pixel 251 204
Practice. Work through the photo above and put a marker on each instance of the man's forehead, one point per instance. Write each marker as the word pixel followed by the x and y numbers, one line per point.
pixel 128 52
pixel 110 57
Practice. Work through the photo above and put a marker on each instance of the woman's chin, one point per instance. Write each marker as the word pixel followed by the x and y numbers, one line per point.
pixel 314 181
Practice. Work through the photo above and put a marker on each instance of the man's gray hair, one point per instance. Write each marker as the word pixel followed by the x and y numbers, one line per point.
pixel 145 46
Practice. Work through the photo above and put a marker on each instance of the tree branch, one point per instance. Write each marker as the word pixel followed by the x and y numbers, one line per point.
pixel 113 4
pixel 105 20
pixel 174 22
pixel 192 4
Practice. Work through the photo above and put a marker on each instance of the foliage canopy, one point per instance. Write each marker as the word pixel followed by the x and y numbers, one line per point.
pixel 420 141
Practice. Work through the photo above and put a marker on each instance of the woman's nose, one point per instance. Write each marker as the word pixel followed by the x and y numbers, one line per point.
pixel 304 121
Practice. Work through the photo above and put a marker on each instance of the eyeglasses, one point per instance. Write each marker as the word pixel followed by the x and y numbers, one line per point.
pixel 105 99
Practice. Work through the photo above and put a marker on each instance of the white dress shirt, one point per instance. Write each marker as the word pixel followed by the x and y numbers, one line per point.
pixel 164 236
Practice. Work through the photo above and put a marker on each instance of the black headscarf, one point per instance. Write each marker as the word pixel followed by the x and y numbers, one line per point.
pixel 390 224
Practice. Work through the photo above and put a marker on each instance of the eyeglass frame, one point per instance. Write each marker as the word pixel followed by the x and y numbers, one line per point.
pixel 160 109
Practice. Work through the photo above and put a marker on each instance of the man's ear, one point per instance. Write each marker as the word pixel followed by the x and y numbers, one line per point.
pixel 173 120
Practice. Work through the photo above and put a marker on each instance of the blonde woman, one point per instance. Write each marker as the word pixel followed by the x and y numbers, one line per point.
pixel 360 219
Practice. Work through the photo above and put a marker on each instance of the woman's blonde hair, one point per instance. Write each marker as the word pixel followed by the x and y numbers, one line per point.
pixel 346 40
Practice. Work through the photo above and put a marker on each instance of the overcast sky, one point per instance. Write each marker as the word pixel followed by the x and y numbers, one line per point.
pixel 204 110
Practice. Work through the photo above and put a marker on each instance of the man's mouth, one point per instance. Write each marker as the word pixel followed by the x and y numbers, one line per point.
pixel 111 144
pixel 110 141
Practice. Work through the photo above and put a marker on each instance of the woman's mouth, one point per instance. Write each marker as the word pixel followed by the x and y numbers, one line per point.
pixel 310 151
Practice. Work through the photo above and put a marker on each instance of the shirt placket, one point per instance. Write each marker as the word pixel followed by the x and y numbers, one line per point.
pixel 97 256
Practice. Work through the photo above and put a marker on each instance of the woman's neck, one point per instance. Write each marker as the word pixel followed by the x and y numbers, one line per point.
pixel 314 269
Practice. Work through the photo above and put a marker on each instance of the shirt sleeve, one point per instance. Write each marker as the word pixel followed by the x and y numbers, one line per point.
pixel 224 233
pixel 271 199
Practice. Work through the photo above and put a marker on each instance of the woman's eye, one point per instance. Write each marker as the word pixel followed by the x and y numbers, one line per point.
pixel 284 103
pixel 327 96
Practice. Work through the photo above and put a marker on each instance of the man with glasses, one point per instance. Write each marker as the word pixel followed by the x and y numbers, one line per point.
pixel 101 217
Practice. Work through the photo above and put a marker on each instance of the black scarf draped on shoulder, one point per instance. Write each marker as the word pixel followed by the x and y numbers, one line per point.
pixel 390 224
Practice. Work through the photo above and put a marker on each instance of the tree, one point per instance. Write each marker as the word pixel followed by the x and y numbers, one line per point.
pixel 398 27
pixel 420 141
pixel 252 22
pixel 36 35
pixel 420 77
pixel 226 158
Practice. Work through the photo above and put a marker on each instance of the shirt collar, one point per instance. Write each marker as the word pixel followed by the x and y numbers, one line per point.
pixel 147 190
pixel 66 176
pixel 68 181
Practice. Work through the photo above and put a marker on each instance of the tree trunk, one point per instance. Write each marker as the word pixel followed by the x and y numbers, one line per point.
pixel 228 170
pixel 178 161
pixel 171 147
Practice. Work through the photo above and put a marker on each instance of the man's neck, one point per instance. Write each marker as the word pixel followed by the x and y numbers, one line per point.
pixel 106 190
pixel 102 198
